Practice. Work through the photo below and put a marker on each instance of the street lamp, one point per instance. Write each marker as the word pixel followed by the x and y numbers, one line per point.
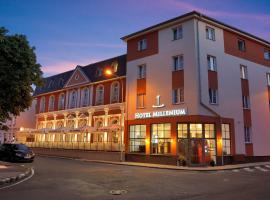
pixel 108 72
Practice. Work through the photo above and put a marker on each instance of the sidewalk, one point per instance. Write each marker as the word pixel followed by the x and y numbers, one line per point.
pixel 11 173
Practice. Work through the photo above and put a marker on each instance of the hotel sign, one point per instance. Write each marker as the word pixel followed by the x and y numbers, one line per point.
pixel 164 113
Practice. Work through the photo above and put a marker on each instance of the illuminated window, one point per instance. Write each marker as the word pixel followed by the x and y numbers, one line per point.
pixel 178 62
pixel 210 33
pixel 226 139
pixel 182 130
pixel 140 100
pixel 141 71
pixel 61 102
pixel 142 45
pixel 161 138
pixel 137 134
pixel 115 92
pixel 241 45
pixel 51 103
pixel 100 95
pixel 195 130
pixel 212 63
pixel 243 72
pixel 42 104
pixel 177 33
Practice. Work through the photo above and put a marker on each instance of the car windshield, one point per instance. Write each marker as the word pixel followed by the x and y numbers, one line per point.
pixel 20 147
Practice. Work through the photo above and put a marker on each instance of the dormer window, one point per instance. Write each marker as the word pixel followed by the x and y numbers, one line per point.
pixel 99 72
pixel 114 67
pixel 142 45
pixel 241 45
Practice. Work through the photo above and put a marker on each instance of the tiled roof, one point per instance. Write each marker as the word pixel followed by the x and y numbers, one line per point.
pixel 58 81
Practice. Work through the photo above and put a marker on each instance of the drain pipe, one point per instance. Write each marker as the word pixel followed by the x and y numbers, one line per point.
pixel 199 81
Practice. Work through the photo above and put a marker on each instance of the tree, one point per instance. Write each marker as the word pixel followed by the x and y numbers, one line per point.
pixel 19 72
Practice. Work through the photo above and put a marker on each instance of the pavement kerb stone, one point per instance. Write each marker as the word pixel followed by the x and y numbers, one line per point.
pixel 14 179
pixel 168 167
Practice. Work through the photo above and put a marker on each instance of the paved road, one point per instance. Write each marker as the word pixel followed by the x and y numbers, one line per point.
pixel 70 179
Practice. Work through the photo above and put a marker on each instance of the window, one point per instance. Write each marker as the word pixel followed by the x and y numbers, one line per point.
pixel 209 131
pixel 244 72
pixel 61 102
pixel 51 103
pixel 115 92
pixel 42 105
pixel 210 33
pixel 247 131
pixel 73 99
pixel 177 33
pixel 99 72
pixel 137 134
pixel 195 130
pixel 178 62
pixel 85 97
pixel 226 139
pixel 266 54
pixel 141 71
pixel 213 96
pixel 182 130
pixel 178 95
pixel 241 45
pixel 142 45
pixel 140 100
pixel 246 102
pixel 268 79
pixel 212 63
pixel 161 138
pixel 210 142
pixel 100 95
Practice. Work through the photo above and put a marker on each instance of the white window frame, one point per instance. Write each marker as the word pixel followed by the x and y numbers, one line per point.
pixel 213 96
pixel 142 44
pixel 141 73
pixel 99 95
pixel 210 33
pixel 268 78
pixel 179 92
pixel 246 102
pixel 212 63
pixel 138 101
pixel 178 62
pixel 177 32
pixel 114 96
pixel 266 54
pixel 243 72
pixel 248 135
pixel 51 103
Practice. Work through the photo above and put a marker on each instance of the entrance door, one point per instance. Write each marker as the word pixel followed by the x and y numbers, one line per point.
pixel 196 152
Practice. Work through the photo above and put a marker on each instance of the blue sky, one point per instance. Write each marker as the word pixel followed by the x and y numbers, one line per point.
pixel 67 33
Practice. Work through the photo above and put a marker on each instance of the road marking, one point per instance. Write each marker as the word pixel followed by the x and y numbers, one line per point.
pixel 248 169
pixel 261 169
pixel 32 174
pixel 235 170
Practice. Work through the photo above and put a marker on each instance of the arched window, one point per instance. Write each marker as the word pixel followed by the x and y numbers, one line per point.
pixel 61 102
pixel 42 105
pixel 51 103
pixel 100 95
pixel 85 97
pixel 73 99
pixel 115 92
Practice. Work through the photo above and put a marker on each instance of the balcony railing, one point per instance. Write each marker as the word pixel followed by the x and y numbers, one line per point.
pixel 94 146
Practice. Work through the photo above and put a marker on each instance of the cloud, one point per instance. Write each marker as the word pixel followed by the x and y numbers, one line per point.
pixel 89 44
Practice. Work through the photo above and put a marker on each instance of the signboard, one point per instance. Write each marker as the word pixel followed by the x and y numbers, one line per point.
pixel 164 113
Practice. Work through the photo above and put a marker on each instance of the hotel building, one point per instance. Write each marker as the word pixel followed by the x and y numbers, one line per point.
pixel 197 91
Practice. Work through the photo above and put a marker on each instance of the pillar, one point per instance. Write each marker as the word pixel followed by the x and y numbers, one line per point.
pixel 65 119
pixel 54 120
pixel 76 119
pixel 106 116
pixel 67 97
pixel 90 114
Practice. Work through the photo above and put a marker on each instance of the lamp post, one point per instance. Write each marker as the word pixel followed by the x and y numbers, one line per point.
pixel 109 73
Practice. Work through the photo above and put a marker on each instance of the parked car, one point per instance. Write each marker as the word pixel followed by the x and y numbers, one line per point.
pixel 16 153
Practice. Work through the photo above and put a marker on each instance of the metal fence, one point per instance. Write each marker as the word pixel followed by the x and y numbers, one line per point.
pixel 94 146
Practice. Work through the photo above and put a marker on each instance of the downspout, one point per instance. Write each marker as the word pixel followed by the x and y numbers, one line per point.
pixel 199 81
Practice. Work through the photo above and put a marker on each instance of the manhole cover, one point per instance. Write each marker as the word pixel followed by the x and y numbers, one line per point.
pixel 118 192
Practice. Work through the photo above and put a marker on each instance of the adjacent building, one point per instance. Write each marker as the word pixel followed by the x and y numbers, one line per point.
pixel 191 90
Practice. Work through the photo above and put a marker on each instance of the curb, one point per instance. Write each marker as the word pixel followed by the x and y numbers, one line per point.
pixel 11 180
pixel 210 169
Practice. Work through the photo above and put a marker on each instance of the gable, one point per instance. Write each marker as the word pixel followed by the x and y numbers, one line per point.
pixel 78 77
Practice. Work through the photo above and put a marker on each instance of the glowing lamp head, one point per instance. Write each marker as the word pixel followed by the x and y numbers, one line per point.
pixel 108 72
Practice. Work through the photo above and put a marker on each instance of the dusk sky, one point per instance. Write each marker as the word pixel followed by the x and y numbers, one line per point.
pixel 67 33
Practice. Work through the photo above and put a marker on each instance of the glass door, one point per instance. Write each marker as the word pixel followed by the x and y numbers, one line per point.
pixel 196 151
